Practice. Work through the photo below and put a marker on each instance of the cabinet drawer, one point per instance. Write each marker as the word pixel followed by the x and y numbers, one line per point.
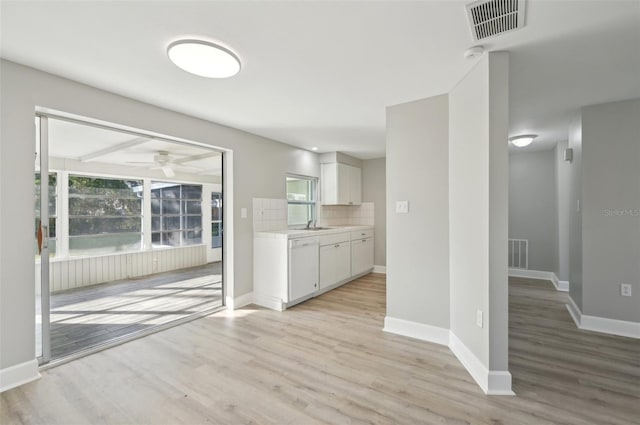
pixel 359 234
pixel 334 239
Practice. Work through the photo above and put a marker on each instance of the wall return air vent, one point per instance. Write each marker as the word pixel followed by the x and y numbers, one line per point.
pixel 489 18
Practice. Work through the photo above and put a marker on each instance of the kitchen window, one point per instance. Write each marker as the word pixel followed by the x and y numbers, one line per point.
pixel 302 198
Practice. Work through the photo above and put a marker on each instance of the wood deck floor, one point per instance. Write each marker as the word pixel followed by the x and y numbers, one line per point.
pixel 327 360
pixel 85 317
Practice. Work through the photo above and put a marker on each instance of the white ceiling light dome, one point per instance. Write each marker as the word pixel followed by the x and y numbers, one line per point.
pixel 204 58
pixel 523 140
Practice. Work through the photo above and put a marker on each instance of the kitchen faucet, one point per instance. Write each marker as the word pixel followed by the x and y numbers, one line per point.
pixel 309 224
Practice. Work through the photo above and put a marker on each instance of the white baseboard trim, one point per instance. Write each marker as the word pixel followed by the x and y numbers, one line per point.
pixel 242 300
pixel 574 312
pixel 492 382
pixel 268 302
pixel 380 269
pixel 416 330
pixel 19 374
pixel 563 285
pixel 602 324
pixel 560 285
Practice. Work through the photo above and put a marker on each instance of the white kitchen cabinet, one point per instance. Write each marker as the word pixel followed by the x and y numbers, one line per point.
pixel 361 255
pixel 291 266
pixel 335 264
pixel 341 184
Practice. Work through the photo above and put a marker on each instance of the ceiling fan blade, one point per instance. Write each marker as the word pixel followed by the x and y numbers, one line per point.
pixel 168 171
pixel 140 162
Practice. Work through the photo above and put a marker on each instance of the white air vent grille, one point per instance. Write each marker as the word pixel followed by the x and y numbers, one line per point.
pixel 492 17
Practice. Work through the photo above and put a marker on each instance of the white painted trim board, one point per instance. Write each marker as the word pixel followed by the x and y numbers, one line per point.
pixel 492 382
pixel 560 285
pixel 380 269
pixel 19 374
pixel 416 330
pixel 239 302
pixel 602 324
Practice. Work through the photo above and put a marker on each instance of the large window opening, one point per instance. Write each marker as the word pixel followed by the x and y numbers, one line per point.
pixel 105 215
pixel 176 214
pixel 124 243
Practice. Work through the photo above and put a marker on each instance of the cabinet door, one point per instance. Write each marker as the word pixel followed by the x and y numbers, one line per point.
pixel 327 266
pixel 361 256
pixel 355 185
pixel 329 184
pixel 344 184
pixel 343 261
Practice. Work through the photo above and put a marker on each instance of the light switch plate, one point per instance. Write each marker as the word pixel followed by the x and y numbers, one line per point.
pixel 479 318
pixel 402 207
pixel 243 213
pixel 625 289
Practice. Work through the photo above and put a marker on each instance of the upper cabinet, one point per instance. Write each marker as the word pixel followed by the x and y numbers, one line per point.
pixel 341 184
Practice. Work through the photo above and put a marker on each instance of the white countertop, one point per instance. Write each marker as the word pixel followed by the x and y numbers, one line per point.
pixel 303 233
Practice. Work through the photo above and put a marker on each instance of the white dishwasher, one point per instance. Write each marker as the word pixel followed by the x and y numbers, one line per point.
pixel 304 269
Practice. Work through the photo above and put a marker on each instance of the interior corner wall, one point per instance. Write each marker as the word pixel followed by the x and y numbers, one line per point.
pixel 575 217
pixel 478 210
pixel 417 241
pixel 374 189
pixel 611 209
pixel 532 206
pixel 563 204
pixel 259 168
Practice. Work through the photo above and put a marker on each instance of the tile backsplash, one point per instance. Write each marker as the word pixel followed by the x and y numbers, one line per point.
pixel 350 215
pixel 269 214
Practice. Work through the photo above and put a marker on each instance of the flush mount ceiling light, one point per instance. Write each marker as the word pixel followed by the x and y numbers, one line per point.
pixel 523 140
pixel 204 58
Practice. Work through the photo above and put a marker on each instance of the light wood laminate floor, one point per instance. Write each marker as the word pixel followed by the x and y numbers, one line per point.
pixel 328 361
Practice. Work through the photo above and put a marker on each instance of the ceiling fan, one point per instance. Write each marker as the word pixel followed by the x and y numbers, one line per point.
pixel 162 161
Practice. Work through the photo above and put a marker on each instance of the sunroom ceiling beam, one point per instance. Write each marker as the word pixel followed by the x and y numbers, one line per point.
pixel 195 157
pixel 115 148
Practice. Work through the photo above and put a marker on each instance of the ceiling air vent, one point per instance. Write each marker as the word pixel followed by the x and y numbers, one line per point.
pixel 493 17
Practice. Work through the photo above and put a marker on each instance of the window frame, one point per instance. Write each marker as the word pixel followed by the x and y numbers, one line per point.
pixel 183 215
pixel 312 204
pixel 70 216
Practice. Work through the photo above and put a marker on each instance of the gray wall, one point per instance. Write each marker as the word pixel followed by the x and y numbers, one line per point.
pixel 563 205
pixel 374 189
pixel 478 209
pixel 575 228
pixel 417 242
pixel 611 209
pixel 532 206
pixel 259 170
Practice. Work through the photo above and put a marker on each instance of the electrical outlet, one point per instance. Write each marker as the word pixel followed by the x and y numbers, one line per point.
pixel 625 289
pixel 479 318
pixel 402 207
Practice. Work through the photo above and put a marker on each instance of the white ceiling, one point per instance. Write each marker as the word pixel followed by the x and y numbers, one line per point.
pixel 321 73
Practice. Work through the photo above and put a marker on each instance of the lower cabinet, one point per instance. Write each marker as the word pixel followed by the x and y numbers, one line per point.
pixel 287 271
pixel 361 256
pixel 335 263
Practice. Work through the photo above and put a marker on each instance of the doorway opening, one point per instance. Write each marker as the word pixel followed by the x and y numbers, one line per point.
pixel 128 234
